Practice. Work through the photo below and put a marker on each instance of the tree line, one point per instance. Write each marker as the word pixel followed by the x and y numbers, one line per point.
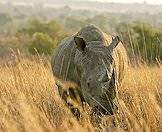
pixel 40 35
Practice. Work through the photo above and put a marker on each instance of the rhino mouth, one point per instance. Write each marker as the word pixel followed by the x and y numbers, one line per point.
pixel 104 106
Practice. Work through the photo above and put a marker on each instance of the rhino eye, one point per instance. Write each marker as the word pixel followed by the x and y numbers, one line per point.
pixel 104 77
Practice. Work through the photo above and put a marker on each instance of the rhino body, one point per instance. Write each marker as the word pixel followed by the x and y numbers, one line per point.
pixel 88 67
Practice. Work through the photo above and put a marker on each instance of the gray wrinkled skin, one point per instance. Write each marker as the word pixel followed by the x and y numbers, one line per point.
pixel 88 65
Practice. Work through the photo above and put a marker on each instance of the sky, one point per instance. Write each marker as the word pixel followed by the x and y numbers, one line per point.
pixel 132 1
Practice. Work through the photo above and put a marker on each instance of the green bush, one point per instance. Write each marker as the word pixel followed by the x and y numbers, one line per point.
pixel 148 39
pixel 52 28
pixel 41 36
pixel 42 44
pixel 142 40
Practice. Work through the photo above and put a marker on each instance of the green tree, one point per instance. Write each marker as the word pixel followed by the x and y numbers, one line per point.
pixel 41 36
pixel 148 39
pixel 41 43
pixel 52 28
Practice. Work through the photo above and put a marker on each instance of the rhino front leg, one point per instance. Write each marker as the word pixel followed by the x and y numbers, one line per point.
pixel 66 96
pixel 63 94
pixel 75 111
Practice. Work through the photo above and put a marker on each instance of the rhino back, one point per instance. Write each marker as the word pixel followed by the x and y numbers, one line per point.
pixel 63 66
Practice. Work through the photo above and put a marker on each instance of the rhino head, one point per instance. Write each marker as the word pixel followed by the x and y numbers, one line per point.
pixel 95 67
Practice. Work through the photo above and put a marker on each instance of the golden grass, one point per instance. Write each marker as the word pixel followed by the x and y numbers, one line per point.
pixel 29 100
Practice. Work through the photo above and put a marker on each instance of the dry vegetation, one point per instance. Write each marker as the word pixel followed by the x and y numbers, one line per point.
pixel 29 100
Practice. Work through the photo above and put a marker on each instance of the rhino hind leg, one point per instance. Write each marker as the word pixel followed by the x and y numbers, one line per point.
pixel 67 95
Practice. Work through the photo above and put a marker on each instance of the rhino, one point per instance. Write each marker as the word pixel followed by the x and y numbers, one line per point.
pixel 88 67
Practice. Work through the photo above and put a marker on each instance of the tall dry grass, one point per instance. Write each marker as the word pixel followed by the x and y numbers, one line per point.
pixel 29 100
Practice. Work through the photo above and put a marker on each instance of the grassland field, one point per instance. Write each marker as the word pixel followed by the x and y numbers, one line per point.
pixel 29 100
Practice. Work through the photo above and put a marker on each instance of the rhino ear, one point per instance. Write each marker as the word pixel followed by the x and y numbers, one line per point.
pixel 114 43
pixel 80 42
